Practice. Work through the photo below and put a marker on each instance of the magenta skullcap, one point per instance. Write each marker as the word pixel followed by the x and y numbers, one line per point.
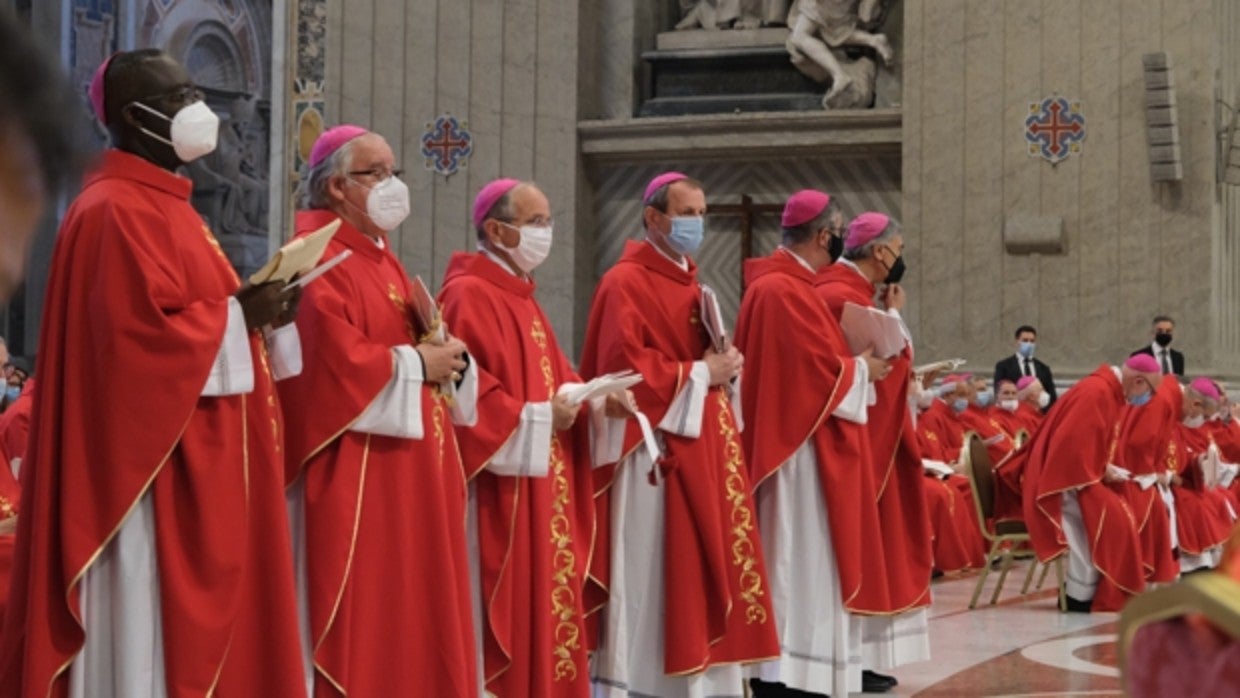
pixel 332 139
pixel 1025 382
pixel 661 180
pixel 1206 387
pixel 491 193
pixel 95 91
pixel 865 228
pixel 803 207
pixel 1145 365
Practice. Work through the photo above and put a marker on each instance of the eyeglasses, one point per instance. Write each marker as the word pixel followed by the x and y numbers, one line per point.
pixel 537 222
pixel 180 94
pixel 377 173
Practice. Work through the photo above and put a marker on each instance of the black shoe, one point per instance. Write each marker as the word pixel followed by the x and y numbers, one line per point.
pixel 874 682
pixel 1072 605
pixel 770 689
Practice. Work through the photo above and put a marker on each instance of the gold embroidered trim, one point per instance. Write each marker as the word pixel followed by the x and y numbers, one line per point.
pixel 744 552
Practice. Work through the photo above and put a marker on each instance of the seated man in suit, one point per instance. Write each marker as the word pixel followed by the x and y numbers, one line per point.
pixel 1169 360
pixel 1022 364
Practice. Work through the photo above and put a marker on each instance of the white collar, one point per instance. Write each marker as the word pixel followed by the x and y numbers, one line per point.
pixel 797 257
pixel 1158 350
pixel 486 252
pixel 683 262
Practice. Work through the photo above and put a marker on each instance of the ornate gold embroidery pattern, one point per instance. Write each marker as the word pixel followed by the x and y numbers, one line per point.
pixel 6 509
pixel 744 555
pixel 437 422
pixel 271 398
pixel 399 301
pixel 567 633
pixel 1172 461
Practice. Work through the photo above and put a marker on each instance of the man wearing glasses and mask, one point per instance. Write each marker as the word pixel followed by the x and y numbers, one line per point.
pixel 152 555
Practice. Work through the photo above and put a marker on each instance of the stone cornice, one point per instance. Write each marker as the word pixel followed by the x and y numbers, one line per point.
pixel 744 136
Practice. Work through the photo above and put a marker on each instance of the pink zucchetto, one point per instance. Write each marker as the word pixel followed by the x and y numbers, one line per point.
pixel 332 140
pixel 803 207
pixel 1206 387
pixel 1025 382
pixel 95 92
pixel 865 228
pixel 491 193
pixel 661 180
pixel 1144 365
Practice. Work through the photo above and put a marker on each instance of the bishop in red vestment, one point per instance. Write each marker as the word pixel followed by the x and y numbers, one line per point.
pixel 689 598
pixel 807 450
pixel 1068 507
pixel 152 554
pixel 872 256
pixel 378 510
pixel 528 454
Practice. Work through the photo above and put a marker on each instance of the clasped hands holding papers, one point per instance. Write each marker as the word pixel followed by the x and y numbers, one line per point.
pixel 271 295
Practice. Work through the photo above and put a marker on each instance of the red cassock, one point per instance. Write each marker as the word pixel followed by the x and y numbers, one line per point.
pixel 1009 422
pixel 1070 453
pixel 958 542
pixel 388 577
pixel 1030 418
pixel 14 431
pixel 645 317
pixel 1144 436
pixel 895 457
pixel 1203 520
pixel 535 533
pixel 797 371
pixel 139 286
pixel 1226 435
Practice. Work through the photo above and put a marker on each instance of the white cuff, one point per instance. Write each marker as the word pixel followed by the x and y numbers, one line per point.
pixel 233 370
pixel 853 407
pixel 284 350
pixel 1145 481
pixel 464 399
pixel 684 416
pixel 1118 473
pixel 397 410
pixel 937 467
pixel 1226 473
pixel 527 453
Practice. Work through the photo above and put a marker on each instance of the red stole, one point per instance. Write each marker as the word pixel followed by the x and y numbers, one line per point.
pixel 535 532
pixel 1070 453
pixel 798 370
pixel 895 457
pixel 139 283
pixel 389 593
pixel 644 317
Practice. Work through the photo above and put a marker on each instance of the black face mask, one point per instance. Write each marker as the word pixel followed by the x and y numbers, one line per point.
pixel 896 272
pixel 1163 338
pixel 835 248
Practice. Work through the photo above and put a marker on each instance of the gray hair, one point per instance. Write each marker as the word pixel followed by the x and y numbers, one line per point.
pixel 314 184
pixel 501 210
pixel 867 250
pixel 798 234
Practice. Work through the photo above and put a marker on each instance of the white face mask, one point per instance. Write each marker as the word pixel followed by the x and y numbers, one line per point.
pixel 195 129
pixel 1044 399
pixel 1194 422
pixel 532 248
pixel 1009 405
pixel 387 204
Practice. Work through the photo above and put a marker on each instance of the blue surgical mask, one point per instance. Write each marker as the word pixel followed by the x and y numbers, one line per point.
pixel 12 392
pixel 960 404
pixel 984 398
pixel 1026 349
pixel 686 234
pixel 1139 400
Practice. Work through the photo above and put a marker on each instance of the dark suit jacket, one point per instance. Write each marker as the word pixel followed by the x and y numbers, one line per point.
pixel 1177 359
pixel 1010 369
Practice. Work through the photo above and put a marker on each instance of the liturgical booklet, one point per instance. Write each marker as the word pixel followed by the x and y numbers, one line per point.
pixel 298 256
pixel 712 319
pixel 870 327
pixel 427 310
pixel 602 385
pixel 321 269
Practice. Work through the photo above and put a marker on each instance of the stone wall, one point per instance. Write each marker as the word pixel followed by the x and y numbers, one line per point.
pixel 1134 248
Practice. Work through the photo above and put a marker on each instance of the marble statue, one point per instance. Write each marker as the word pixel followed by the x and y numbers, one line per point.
pixel 732 14
pixel 821 30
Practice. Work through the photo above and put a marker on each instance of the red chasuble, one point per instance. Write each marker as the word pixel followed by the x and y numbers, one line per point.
pixel 644 317
pixel 135 314
pixel 14 428
pixel 1144 441
pixel 797 371
pixel 957 542
pixel 1202 517
pixel 1071 452
pixel 388 592
pixel 895 457
pixel 535 533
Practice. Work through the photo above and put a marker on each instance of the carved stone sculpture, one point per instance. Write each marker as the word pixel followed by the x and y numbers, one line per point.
pixel 732 14
pixel 821 30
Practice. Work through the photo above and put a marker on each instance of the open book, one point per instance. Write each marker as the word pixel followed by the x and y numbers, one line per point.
pixel 712 320
pixel 298 256
pixel 602 385
pixel 870 327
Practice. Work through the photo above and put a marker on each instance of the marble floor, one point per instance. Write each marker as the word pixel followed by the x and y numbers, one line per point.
pixel 1022 646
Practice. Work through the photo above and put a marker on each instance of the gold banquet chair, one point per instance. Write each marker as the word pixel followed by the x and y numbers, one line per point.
pixel 1211 594
pixel 1007 534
